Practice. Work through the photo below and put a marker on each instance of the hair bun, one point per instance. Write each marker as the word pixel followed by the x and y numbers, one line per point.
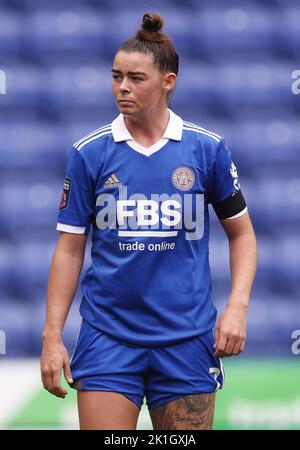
pixel 152 22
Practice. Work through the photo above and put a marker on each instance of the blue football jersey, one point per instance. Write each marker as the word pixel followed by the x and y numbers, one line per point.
pixel 149 281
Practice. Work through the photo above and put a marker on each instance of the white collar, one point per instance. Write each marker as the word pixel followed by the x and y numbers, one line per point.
pixel 173 131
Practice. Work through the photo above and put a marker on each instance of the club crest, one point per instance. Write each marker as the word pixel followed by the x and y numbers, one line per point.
pixel 183 178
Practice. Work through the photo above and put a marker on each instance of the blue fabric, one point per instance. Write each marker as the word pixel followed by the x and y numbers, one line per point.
pixel 161 374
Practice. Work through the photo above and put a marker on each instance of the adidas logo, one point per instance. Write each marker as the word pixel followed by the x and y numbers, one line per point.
pixel 112 182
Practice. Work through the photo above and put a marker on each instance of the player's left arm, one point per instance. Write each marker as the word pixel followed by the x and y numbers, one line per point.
pixel 230 332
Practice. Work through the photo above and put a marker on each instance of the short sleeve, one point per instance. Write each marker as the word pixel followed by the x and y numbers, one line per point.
pixel 224 190
pixel 222 176
pixel 77 199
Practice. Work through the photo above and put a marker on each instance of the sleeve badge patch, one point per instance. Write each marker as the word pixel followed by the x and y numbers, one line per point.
pixel 65 194
pixel 233 171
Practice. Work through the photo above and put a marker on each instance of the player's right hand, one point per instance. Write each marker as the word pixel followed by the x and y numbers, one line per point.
pixel 54 358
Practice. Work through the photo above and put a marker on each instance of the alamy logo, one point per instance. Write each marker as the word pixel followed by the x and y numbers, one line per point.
pixel 296 343
pixel 2 343
pixel 2 82
pixel 296 84
pixel 112 182
pixel 161 215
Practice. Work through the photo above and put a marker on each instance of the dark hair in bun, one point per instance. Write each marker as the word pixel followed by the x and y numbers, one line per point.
pixel 152 22
pixel 150 39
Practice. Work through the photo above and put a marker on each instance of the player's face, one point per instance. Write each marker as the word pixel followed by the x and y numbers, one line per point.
pixel 137 80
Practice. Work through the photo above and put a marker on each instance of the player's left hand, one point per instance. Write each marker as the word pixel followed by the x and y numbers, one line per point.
pixel 230 332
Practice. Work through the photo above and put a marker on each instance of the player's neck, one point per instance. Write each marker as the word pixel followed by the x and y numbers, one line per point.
pixel 149 126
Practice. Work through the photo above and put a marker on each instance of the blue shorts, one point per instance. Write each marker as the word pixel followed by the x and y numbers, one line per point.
pixel 161 374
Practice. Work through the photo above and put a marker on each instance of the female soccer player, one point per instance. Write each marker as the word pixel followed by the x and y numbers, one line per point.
pixel 144 182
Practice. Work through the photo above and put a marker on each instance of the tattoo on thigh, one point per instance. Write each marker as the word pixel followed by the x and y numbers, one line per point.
pixel 192 412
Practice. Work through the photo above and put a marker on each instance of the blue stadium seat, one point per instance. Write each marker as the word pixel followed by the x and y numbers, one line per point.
pixel 34 145
pixel 17 327
pixel 30 205
pixel 287 32
pixel 274 141
pixel 28 271
pixel 251 87
pixel 203 4
pixel 235 32
pixel 194 82
pixel 286 265
pixel 64 32
pixel 80 87
pixel 10 33
pixel 274 205
pixel 133 7
pixel 24 84
pixel 33 5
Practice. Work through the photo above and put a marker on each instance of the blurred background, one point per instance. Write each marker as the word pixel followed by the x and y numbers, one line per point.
pixel 235 78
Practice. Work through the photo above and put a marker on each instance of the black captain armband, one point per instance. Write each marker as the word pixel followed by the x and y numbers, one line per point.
pixel 230 207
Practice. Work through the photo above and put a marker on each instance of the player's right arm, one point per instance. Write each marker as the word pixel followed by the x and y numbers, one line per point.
pixel 63 279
